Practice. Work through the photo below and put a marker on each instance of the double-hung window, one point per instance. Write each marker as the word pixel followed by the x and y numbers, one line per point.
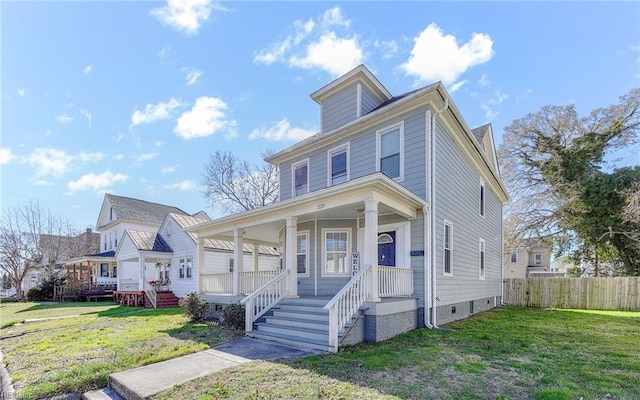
pixel 482 258
pixel 482 191
pixel 189 267
pixel 301 253
pixel 336 252
pixel 300 177
pixel 338 165
pixel 514 257
pixel 389 151
pixel 181 268
pixel 447 247
pixel 538 257
pixel 230 262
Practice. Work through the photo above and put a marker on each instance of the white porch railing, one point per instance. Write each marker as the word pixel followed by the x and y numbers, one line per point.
pixel 151 294
pixel 254 279
pixel 395 281
pixel 99 280
pixel 265 297
pixel 129 285
pixel 346 303
pixel 221 283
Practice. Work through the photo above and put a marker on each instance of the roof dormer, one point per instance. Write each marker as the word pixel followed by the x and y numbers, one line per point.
pixel 349 97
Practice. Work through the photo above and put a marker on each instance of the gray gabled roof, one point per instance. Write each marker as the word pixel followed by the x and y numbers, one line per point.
pixel 129 209
pixel 480 132
pixel 148 241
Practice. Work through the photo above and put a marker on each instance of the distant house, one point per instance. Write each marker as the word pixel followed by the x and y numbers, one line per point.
pixel 392 213
pixel 146 249
pixel 529 257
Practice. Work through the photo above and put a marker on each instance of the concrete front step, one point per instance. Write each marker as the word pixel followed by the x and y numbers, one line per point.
pixel 296 341
pixel 303 308
pixel 284 330
pixel 308 315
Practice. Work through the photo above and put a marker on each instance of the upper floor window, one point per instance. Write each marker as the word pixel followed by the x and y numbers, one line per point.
pixel 514 257
pixel 110 213
pixel 538 258
pixel 482 198
pixel 482 258
pixel 447 248
pixel 300 177
pixel 338 165
pixel 389 158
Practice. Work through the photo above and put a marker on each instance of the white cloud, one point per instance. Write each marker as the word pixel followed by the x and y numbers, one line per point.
pixel 52 162
pixel 168 170
pixel 326 43
pixel 186 16
pixel 118 157
pixel 205 118
pixel 192 75
pixel 87 70
pixel 388 48
pixel 436 56
pixel 491 106
pixel 183 185
pixel 5 156
pixel 454 88
pixel 282 130
pixel 87 115
pixel 145 157
pixel 484 80
pixel 165 52
pixel 158 143
pixel 153 113
pixel 64 118
pixel 91 181
pixel 21 92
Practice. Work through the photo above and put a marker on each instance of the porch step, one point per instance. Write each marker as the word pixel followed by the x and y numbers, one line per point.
pixel 163 300
pixel 296 322
pixel 296 341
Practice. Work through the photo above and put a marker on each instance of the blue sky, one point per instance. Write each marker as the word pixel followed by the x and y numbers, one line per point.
pixel 131 97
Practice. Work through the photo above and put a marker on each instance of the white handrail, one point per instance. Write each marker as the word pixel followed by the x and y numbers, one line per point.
pixel 346 303
pixel 151 294
pixel 265 297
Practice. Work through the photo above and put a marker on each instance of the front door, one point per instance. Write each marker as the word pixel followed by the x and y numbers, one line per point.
pixel 387 249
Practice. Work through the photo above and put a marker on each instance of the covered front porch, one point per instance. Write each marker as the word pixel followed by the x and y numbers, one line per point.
pixel 349 244
pixel 92 271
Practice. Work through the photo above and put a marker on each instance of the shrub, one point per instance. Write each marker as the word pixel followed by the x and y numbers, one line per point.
pixel 44 290
pixel 234 316
pixel 195 307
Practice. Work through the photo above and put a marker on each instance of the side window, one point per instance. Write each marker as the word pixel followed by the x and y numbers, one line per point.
pixel 447 249
pixel 390 159
pixel 181 269
pixel 482 258
pixel 338 165
pixel 189 267
pixel 482 190
pixel 538 259
pixel 514 257
pixel 300 178
pixel 230 262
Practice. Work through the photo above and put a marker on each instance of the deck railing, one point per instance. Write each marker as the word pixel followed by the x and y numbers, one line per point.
pixel 395 281
pixel 254 279
pixel 129 285
pixel 151 294
pixel 265 297
pixel 344 305
pixel 221 283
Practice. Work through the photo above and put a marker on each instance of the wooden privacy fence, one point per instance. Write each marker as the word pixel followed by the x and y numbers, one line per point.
pixel 619 293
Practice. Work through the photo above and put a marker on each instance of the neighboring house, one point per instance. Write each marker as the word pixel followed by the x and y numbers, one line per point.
pixel 562 265
pixel 145 248
pixel 392 212
pixel 531 256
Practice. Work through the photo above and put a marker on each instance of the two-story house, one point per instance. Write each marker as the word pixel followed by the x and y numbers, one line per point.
pixel 147 255
pixel 389 218
pixel 527 258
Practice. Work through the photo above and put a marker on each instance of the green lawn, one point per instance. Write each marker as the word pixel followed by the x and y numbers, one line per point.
pixel 507 353
pixel 76 354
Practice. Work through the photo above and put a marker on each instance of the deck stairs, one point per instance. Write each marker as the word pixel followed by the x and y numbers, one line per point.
pixel 298 322
pixel 164 299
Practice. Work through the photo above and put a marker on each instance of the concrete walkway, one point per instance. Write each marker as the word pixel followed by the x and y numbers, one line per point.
pixel 144 382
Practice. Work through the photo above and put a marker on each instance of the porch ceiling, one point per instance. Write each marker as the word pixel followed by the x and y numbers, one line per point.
pixel 345 201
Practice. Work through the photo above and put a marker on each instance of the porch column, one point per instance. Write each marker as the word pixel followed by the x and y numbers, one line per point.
pixel 141 262
pixel 200 265
pixel 370 245
pixel 238 256
pixel 118 275
pixel 291 249
pixel 255 258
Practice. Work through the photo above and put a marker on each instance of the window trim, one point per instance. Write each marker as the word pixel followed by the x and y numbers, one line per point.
pixel 293 176
pixel 483 198
pixel 482 259
pixel 444 248
pixel 307 234
pixel 344 147
pixel 379 133
pixel 347 273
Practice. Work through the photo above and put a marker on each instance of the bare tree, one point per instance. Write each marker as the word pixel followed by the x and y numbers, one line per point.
pixel 31 237
pixel 235 185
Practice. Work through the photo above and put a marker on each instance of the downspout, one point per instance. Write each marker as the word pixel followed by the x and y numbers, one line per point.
pixel 426 216
pixel 432 203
